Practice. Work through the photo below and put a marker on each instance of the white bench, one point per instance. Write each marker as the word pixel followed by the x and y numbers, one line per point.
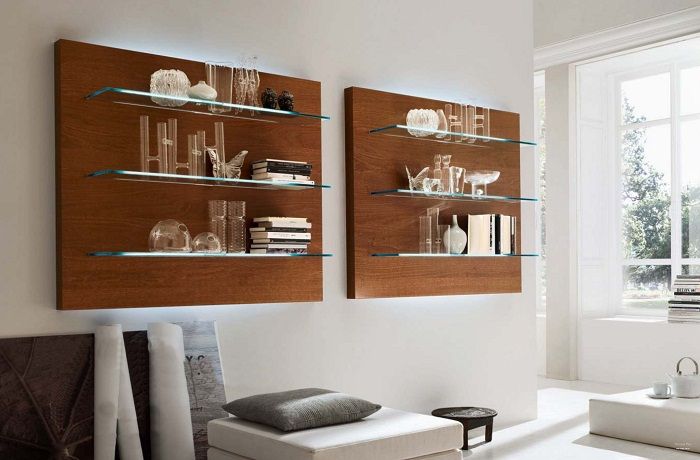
pixel 385 435
pixel 633 416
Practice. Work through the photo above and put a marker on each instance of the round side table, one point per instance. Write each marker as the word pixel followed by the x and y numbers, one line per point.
pixel 470 418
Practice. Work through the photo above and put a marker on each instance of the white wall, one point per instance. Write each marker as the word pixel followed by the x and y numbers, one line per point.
pixel 415 354
pixel 560 20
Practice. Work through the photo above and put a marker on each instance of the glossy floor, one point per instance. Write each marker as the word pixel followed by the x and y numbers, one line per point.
pixel 561 431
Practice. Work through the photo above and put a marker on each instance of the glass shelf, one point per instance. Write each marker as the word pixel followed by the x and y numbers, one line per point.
pixel 403 193
pixel 196 254
pixel 408 254
pixel 199 106
pixel 139 176
pixel 478 141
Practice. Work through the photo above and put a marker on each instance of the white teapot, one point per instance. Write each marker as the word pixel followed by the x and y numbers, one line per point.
pixel 686 385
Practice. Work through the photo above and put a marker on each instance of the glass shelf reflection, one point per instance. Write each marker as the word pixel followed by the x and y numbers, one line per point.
pixel 196 254
pixel 478 141
pixel 407 254
pixel 200 106
pixel 140 176
pixel 403 193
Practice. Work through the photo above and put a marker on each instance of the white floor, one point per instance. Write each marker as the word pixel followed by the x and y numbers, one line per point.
pixel 561 431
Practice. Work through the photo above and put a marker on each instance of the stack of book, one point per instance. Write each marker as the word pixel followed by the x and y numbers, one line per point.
pixel 280 235
pixel 281 171
pixel 684 307
pixel 490 234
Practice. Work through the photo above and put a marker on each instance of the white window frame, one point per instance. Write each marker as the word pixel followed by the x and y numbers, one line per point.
pixel 675 120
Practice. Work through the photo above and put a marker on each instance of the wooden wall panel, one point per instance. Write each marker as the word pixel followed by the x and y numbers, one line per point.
pixel 96 214
pixel 390 224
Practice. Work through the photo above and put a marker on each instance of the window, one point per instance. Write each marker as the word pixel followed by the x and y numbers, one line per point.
pixel 659 157
pixel 638 189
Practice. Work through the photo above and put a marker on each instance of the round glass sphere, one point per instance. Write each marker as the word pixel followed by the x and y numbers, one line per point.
pixel 170 236
pixel 207 242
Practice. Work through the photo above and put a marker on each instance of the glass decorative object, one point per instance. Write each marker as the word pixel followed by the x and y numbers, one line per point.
pixel 170 83
pixel 202 91
pixel 416 183
pixel 217 219
pixel 442 123
pixel 456 120
pixel 479 122
pixel 425 238
pixel 247 84
pixel 444 239
pixel 236 227
pixel 480 179
pixel 432 185
pixel 217 152
pixel 457 237
pixel 422 119
pixel 148 160
pixel 446 187
pixel 434 214
pixel 196 155
pixel 170 236
pixel 174 166
pixel 220 78
pixel 456 179
pixel 437 171
pixel 207 242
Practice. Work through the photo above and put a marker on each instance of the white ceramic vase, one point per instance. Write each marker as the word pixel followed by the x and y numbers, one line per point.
pixel 455 238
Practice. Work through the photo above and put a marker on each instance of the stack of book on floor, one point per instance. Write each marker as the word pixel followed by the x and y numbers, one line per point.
pixel 491 234
pixel 280 235
pixel 281 171
pixel 684 307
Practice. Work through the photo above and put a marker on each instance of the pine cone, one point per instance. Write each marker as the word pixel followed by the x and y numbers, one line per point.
pixel 286 101
pixel 269 98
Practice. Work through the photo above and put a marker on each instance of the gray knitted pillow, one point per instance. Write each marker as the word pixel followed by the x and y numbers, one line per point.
pixel 301 409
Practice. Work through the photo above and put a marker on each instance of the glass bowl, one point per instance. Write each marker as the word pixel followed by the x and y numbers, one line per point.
pixel 480 179
pixel 170 236
pixel 207 242
pixel 169 83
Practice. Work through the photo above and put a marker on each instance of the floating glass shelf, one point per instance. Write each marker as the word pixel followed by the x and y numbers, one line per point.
pixel 200 106
pixel 196 254
pixel 477 140
pixel 403 193
pixel 139 176
pixel 408 254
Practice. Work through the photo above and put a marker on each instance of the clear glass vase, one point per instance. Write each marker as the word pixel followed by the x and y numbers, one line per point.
pixel 236 227
pixel 220 77
pixel 217 219
pixel 425 235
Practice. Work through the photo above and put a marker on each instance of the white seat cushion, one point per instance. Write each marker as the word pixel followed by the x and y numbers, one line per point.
pixel 634 416
pixel 388 434
pixel 215 454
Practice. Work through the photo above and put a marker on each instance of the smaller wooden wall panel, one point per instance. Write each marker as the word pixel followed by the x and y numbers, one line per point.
pixel 383 224
pixel 99 214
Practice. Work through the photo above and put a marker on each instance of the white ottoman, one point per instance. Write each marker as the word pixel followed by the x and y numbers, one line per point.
pixel 385 435
pixel 634 416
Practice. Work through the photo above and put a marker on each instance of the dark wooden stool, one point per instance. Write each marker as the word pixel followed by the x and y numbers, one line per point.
pixel 470 418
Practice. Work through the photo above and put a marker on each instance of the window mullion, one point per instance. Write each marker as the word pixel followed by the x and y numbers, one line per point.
pixel 676 177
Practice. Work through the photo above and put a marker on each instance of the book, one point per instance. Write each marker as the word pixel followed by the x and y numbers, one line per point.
pixel 289 181
pixel 480 234
pixel 503 234
pixel 300 225
pixel 278 229
pixel 686 289
pixel 685 297
pixel 688 277
pixel 271 175
pixel 513 235
pixel 257 241
pixel 684 302
pixel 282 220
pixel 282 235
pixel 279 251
pixel 274 161
pixel 279 246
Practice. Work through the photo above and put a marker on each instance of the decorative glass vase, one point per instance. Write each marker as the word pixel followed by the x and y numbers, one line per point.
pixel 217 219
pixel 220 77
pixel 170 235
pixel 425 238
pixel 236 227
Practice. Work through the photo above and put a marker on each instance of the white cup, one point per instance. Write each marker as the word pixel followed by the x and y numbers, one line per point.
pixel 662 389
